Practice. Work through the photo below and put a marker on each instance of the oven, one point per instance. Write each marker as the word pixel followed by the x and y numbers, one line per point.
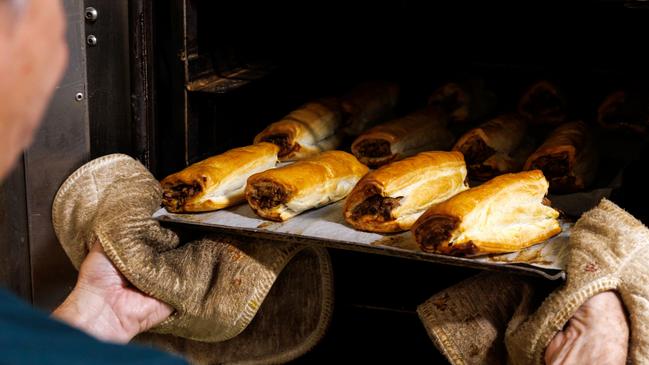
pixel 173 82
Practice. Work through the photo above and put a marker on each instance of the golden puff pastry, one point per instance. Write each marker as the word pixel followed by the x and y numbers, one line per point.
pixel 217 182
pixel 423 130
pixel 285 192
pixel 391 198
pixel 543 103
pixel 491 149
pixel 505 214
pixel 307 131
pixel 567 158
pixel 625 109
pixel 464 101
pixel 367 104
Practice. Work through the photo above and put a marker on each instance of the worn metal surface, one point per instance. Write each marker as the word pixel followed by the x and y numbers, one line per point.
pixel 226 82
pixel 108 77
pixel 142 81
pixel 15 272
pixel 170 93
pixel 61 145
pixel 89 116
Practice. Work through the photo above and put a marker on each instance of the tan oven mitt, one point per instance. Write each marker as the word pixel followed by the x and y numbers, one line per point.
pixel 609 251
pixel 467 321
pixel 291 302
pixel 216 285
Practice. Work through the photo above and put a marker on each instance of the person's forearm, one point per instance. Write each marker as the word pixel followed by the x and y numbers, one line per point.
pixel 90 313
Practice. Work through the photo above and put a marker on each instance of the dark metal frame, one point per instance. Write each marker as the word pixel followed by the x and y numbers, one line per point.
pixel 60 146
pixel 104 105
pixel 15 262
pixel 142 82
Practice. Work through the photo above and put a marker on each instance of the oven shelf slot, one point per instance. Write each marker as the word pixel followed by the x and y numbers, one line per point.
pixel 226 82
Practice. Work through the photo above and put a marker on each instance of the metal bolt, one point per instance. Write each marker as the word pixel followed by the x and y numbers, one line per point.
pixel 78 97
pixel 91 14
pixel 92 40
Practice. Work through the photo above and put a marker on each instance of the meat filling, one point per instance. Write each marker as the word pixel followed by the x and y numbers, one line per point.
pixel 476 151
pixel 556 168
pixel 435 231
pixel 376 206
pixel 544 103
pixel 374 148
pixel 268 195
pixel 283 141
pixel 619 114
pixel 483 172
pixel 553 166
pixel 176 196
pixel 449 102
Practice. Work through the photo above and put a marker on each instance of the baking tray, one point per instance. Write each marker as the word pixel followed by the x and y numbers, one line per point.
pixel 326 227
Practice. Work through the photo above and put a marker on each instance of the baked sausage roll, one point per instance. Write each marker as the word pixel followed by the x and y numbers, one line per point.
pixel 391 198
pixel 307 131
pixel 464 101
pixel 567 158
pixel 367 104
pixel 285 192
pixel 625 110
pixel 504 214
pixel 490 149
pixel 217 182
pixel 423 130
pixel 543 103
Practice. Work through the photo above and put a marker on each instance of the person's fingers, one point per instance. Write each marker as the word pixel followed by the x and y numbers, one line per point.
pixel 97 247
pixel 151 310
pixel 563 346
pixel 553 349
pixel 596 334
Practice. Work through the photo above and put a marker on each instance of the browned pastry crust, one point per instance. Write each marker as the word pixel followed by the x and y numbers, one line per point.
pixel 625 110
pixel 505 214
pixel 567 158
pixel 464 101
pixel 285 192
pixel 492 148
pixel 423 130
pixel 306 131
pixel 391 198
pixel 217 182
pixel 543 103
pixel 367 104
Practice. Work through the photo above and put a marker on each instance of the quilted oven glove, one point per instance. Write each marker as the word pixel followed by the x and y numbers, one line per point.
pixel 609 251
pixel 467 321
pixel 216 285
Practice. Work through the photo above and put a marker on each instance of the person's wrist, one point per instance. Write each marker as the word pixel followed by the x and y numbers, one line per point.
pixel 92 313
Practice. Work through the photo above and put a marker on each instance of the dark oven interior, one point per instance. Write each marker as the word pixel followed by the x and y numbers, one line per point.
pixel 244 65
pixel 224 70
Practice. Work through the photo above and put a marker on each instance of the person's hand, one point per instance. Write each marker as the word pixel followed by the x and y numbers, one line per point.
pixel 598 333
pixel 103 303
pixel 33 55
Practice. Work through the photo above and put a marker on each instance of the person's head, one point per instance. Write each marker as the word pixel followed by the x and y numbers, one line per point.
pixel 33 55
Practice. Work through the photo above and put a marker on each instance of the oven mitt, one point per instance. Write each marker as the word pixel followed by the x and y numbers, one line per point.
pixel 263 341
pixel 467 321
pixel 216 285
pixel 609 251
